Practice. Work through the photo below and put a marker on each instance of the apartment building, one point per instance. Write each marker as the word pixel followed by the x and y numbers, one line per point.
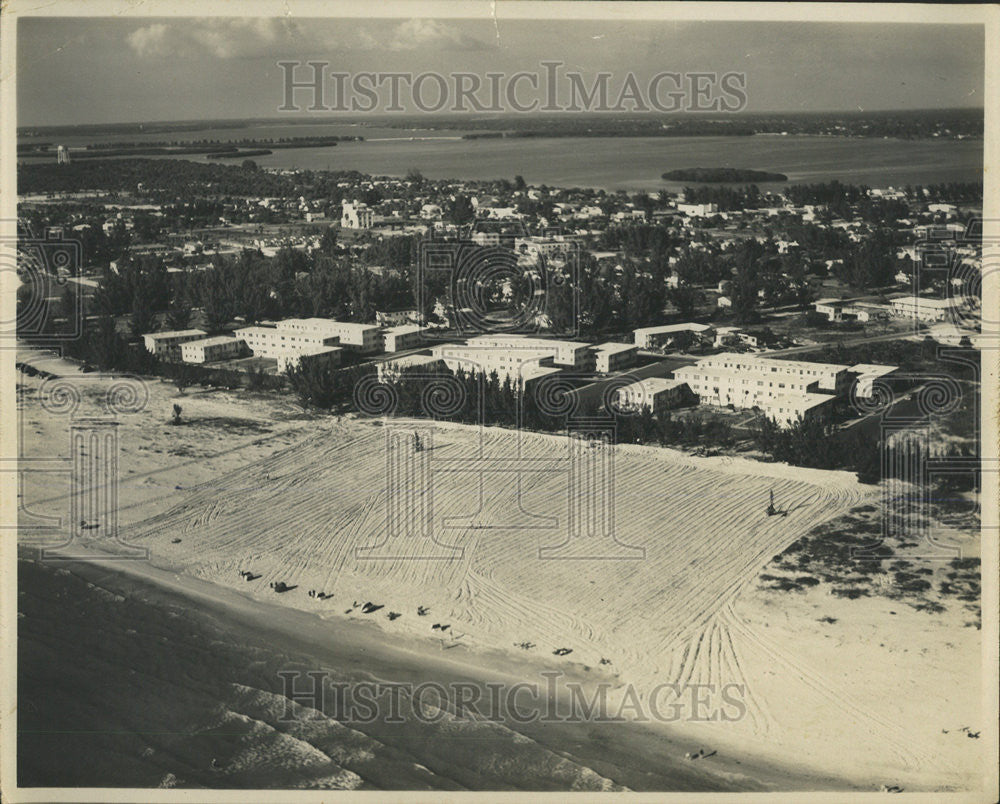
pixel 787 410
pixel 655 337
pixel 389 370
pixel 396 318
pixel 924 309
pixel 167 345
pixel 364 338
pixel 208 350
pixel 513 363
pixel 356 216
pixel 610 357
pixel 567 354
pixel 656 393
pixel 865 376
pixel 785 387
pixel 329 356
pixel 276 341
pixel 401 338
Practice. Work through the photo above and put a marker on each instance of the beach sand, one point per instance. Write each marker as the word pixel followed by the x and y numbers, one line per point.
pixel 253 482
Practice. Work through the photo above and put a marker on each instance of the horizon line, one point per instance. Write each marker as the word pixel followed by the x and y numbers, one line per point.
pixel 347 117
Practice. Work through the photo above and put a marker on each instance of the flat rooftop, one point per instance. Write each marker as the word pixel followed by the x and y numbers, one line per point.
pixel 666 328
pixel 872 369
pixel 763 361
pixel 175 333
pixel 654 384
pixel 215 341
pixel 799 402
pixel 614 348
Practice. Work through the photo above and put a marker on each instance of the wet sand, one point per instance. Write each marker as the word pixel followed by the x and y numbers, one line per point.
pixel 226 628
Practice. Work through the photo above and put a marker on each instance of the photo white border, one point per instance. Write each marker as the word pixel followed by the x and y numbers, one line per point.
pixel 501 11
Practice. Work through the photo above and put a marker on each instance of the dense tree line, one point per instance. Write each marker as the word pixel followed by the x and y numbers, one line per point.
pixel 177 178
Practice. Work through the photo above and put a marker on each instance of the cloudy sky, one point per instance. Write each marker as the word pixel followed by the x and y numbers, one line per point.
pixel 113 70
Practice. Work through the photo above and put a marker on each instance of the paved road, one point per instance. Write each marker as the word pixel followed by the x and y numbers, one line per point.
pixel 892 336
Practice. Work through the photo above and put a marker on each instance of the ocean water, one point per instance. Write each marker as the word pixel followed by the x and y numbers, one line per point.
pixel 610 163
pixel 637 163
pixel 124 684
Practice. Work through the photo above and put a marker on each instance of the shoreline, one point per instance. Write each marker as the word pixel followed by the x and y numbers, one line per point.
pixel 344 643
pixel 241 464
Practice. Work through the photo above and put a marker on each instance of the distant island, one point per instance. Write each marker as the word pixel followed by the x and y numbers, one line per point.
pixel 722 175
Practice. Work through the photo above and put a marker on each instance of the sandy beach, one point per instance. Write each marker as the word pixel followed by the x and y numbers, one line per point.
pixel 253 482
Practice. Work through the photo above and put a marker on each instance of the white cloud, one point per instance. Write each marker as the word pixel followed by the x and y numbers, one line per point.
pixel 149 41
pixel 418 34
pixel 249 38
pixel 222 38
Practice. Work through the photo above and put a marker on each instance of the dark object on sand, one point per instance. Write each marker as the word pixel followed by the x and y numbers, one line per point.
pixel 562 651
pixel 369 607
pixel 524 645
pixel 771 510
pixel 605 661
pixel 439 626
pixel 394 614
pixel 422 610
pixel 175 541
pixel 177 414
pixel 281 586
pixel 699 754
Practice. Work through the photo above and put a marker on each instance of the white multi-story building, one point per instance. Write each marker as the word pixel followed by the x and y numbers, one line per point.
pixel 356 216
pixel 365 338
pixel 398 339
pixel 656 393
pixel 395 318
pixel 208 350
pixel 569 354
pixel 865 376
pixel 389 370
pixel 513 363
pixel 325 355
pixel 610 357
pixel 654 337
pixel 787 410
pixel 748 381
pixel 924 309
pixel 276 341
pixel 698 210
pixel 167 345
